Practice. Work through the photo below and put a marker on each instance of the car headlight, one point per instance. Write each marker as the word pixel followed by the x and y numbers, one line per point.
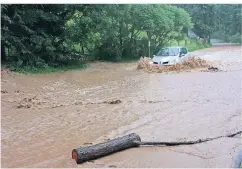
pixel 150 62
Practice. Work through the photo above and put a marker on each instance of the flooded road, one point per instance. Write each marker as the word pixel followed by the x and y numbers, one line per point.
pixel 44 117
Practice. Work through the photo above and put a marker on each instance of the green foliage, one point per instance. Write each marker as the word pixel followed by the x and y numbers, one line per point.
pixel 121 32
pixel 237 38
pixel 34 34
pixel 229 22
pixel 203 17
pixel 194 45
pixel 190 44
pixel 48 69
pixel 216 21
pixel 50 36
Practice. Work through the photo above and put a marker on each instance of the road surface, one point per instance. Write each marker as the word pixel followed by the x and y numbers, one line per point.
pixel 45 116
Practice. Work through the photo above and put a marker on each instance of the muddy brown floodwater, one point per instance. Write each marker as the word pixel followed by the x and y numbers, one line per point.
pixel 44 117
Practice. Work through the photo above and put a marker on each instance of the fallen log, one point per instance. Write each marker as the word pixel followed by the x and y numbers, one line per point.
pixel 83 154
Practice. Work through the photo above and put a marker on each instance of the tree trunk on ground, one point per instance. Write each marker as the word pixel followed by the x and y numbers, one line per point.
pixel 83 154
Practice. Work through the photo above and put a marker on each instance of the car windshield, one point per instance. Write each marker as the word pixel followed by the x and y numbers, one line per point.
pixel 168 52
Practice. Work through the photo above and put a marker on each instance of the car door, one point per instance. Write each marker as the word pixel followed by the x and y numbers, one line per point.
pixel 184 52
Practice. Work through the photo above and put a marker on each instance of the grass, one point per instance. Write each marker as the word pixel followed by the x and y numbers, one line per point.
pixel 191 45
pixel 48 69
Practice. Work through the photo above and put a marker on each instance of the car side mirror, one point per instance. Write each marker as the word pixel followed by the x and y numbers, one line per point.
pixel 182 54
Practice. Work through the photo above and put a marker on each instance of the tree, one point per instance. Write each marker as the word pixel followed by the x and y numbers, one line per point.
pixel 204 19
pixel 160 22
pixel 34 33
pixel 39 35
pixel 220 21
pixel 229 22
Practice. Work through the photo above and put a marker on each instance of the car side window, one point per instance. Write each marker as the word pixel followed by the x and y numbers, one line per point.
pixel 183 50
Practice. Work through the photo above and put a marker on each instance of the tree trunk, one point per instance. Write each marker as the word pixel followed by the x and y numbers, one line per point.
pixel 3 53
pixel 83 50
pixel 149 39
pixel 121 35
pixel 83 154
pixel 186 43
pixel 209 39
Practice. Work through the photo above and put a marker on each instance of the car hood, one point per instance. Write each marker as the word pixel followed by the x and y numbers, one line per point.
pixel 162 59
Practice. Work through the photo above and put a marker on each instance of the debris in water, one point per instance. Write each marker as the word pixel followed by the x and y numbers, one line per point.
pixel 112 102
pixel 213 68
pixel 115 102
pixel 29 102
pixel 112 166
pixel 23 106
pixel 4 91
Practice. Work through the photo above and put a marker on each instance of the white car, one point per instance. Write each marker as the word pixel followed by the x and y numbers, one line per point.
pixel 170 55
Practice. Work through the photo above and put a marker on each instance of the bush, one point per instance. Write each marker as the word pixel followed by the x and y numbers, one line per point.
pixel 237 38
pixel 191 44
pixel 46 68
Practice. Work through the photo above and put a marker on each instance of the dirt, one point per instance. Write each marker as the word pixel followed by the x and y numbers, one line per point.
pixel 43 117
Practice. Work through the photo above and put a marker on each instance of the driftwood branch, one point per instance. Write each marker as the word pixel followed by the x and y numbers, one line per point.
pixel 187 142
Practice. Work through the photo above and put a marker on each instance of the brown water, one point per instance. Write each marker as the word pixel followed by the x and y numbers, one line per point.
pixel 45 116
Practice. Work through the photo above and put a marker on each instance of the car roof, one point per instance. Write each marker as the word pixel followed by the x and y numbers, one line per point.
pixel 175 47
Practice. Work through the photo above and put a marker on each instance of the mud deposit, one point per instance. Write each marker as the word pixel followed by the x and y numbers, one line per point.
pixel 43 117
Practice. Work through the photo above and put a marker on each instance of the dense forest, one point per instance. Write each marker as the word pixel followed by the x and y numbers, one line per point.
pixel 57 35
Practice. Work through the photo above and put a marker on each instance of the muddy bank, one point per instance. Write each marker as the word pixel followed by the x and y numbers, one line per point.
pixel 159 107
